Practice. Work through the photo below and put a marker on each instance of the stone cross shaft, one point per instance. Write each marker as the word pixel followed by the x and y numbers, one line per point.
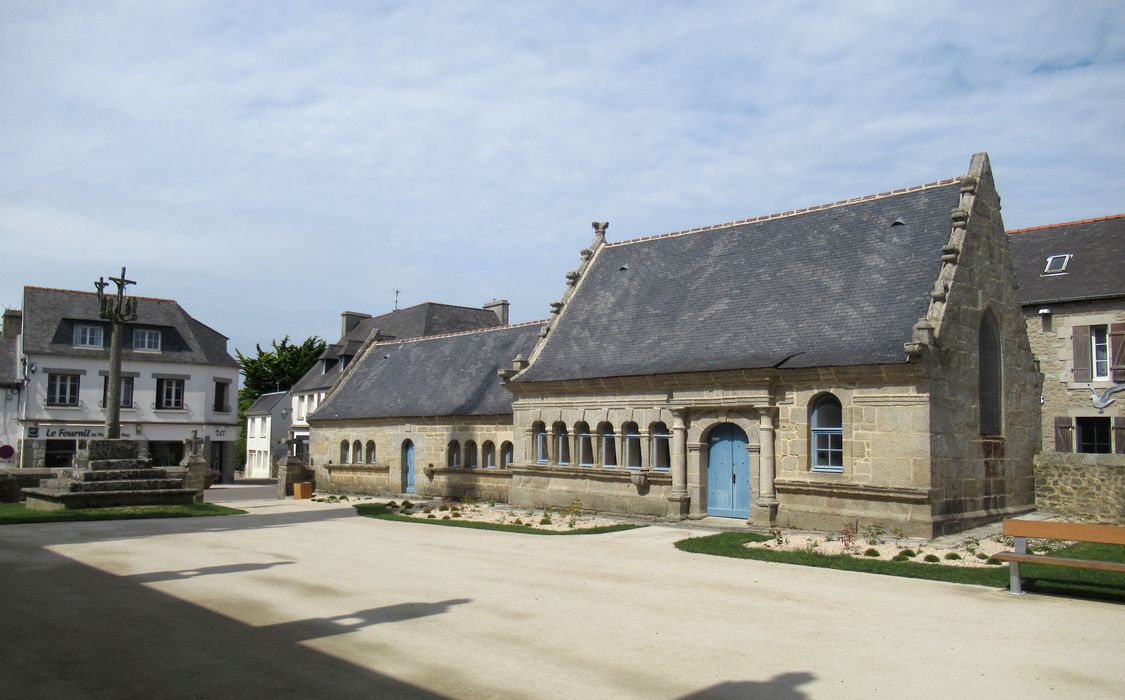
pixel 117 310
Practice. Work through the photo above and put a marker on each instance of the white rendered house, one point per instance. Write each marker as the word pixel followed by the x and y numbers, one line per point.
pixel 267 426
pixel 177 378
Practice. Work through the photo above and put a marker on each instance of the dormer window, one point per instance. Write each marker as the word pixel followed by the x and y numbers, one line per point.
pixel 1056 264
pixel 89 337
pixel 146 340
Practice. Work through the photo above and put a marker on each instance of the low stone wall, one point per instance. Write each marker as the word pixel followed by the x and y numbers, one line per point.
pixel 1090 487
pixel 481 484
pixel 603 491
pixel 370 479
pixel 12 480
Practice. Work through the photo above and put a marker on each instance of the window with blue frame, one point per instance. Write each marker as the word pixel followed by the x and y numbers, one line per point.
pixel 632 445
pixel 608 440
pixel 585 445
pixel 827 434
pixel 562 443
pixel 470 454
pixel 505 455
pixel 542 443
pixel 488 455
pixel 661 447
pixel 453 454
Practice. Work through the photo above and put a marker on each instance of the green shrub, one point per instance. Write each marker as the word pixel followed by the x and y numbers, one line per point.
pixel 931 558
pixel 545 520
pixel 443 506
pixel 900 557
pixel 908 553
pixel 392 504
pixel 871 552
pixel 407 504
pixel 432 516
pixel 427 509
pixel 982 555
pixel 456 514
pixel 445 517
pixel 992 561
pixel 952 556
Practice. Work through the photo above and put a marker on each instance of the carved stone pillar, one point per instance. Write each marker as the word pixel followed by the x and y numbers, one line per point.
pixel 679 501
pixel 529 445
pixel 766 511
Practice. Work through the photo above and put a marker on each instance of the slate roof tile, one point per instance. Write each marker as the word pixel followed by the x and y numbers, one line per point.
pixel 1096 270
pixel 451 375
pixel 51 314
pixel 834 285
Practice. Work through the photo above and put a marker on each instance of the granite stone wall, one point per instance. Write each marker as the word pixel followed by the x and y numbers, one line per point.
pixel 386 476
pixel 1089 487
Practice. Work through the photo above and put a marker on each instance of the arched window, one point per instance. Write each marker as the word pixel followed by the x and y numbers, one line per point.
pixel 990 377
pixel 826 434
pixel 562 443
pixel 608 441
pixel 370 452
pixel 470 454
pixel 585 444
pixel 542 445
pixel 488 455
pixel 505 455
pixel 357 452
pixel 661 452
pixel 453 454
pixel 344 452
pixel 632 445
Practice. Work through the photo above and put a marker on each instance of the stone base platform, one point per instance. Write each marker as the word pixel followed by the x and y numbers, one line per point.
pixel 109 474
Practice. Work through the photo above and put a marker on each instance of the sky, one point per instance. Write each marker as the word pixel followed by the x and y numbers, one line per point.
pixel 271 164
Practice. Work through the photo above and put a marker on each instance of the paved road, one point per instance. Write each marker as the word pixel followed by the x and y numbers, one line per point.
pixel 301 599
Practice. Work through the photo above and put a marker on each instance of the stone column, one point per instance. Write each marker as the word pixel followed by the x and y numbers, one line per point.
pixel 679 500
pixel 766 512
pixel 529 446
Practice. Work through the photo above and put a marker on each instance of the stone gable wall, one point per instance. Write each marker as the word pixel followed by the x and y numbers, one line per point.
pixel 977 478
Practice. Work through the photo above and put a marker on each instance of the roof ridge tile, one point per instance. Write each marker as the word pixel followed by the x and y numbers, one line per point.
pixel 1067 223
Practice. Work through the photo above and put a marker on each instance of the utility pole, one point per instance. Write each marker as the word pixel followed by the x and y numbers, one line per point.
pixel 116 309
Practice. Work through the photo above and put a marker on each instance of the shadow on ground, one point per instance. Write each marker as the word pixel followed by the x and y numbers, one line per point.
pixel 74 631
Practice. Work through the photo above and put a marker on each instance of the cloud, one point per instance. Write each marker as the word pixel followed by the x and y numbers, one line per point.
pixel 270 164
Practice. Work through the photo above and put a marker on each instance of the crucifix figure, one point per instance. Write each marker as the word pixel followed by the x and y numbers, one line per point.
pixel 116 309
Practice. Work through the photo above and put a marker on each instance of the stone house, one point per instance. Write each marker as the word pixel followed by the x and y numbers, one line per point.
pixel 426 415
pixel 177 378
pixel 864 361
pixel 1072 287
pixel 358 328
pixel 267 426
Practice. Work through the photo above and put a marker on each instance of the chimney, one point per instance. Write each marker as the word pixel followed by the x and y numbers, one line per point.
pixel 349 320
pixel 500 308
pixel 13 322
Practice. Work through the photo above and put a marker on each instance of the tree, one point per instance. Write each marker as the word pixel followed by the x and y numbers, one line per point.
pixel 272 370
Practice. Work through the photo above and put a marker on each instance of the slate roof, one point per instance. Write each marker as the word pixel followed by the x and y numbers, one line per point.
pixel 412 322
pixel 452 375
pixel 50 316
pixel 1096 270
pixel 834 285
pixel 265 403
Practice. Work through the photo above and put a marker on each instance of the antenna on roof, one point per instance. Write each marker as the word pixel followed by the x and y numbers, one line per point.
pixel 396 298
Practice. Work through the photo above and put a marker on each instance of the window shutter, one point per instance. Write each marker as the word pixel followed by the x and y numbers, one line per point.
pixel 1119 435
pixel 1064 434
pixel 1117 352
pixel 1081 346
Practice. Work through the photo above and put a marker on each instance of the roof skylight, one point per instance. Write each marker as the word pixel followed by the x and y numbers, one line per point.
pixel 1056 264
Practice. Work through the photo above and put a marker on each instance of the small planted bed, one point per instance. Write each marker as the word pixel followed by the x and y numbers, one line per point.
pixel 469 514
pixel 926 562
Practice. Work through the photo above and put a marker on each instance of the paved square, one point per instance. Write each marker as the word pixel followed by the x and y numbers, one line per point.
pixel 304 599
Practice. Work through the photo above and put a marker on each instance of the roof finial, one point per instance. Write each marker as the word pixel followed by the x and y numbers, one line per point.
pixel 599 232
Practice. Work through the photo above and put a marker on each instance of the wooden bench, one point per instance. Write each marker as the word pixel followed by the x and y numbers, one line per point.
pixel 1047 530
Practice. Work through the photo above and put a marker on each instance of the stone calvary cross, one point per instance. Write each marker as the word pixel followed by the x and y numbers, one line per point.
pixel 116 309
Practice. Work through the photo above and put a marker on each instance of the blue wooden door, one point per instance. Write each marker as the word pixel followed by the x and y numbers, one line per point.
pixel 728 473
pixel 408 457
